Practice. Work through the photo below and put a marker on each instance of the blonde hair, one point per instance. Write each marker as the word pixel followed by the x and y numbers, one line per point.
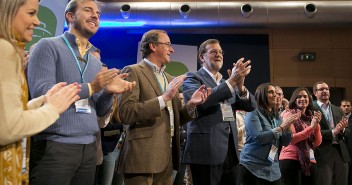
pixel 9 9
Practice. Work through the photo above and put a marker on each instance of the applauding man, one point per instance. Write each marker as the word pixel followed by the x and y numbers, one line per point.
pixel 65 153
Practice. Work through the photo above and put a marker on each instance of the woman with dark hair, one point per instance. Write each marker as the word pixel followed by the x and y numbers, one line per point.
pixel 265 131
pixel 297 162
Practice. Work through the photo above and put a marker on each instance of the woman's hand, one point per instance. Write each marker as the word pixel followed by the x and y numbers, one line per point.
pixel 316 119
pixel 62 96
pixel 287 121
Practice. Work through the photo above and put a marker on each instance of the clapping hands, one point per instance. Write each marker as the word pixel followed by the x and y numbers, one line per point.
pixel 239 71
pixel 294 116
pixel 199 96
pixel 316 119
pixel 340 126
pixel 118 85
pixel 62 96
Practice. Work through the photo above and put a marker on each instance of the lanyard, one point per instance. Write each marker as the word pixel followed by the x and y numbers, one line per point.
pixel 75 57
pixel 161 88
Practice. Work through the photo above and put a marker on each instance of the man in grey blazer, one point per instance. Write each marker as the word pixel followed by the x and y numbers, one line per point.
pixel 153 113
pixel 332 155
pixel 211 146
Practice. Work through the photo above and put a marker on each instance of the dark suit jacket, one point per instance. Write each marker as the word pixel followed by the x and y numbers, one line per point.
pixel 348 137
pixel 323 152
pixel 208 135
pixel 148 132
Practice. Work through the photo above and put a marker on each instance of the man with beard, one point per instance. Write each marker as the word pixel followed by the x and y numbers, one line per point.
pixel 211 146
pixel 332 156
pixel 65 153
pixel 345 106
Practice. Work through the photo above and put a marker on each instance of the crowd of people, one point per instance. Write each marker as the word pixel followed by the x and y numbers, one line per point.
pixel 87 124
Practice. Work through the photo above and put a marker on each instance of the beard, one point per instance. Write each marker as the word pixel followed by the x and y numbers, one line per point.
pixel 83 31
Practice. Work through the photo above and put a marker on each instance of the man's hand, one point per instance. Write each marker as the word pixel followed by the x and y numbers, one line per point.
pixel 199 96
pixel 173 87
pixel 340 126
pixel 238 73
pixel 118 85
pixel 103 78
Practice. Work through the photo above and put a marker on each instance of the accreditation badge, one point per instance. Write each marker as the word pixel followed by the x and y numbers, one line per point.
pixel 311 155
pixel 227 113
pixel 82 106
pixel 272 153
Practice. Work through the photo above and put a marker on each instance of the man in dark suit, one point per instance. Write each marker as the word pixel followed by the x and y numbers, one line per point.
pixel 211 146
pixel 153 113
pixel 332 155
pixel 345 106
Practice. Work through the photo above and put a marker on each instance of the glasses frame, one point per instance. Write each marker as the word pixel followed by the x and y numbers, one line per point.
pixel 323 89
pixel 168 44
pixel 215 52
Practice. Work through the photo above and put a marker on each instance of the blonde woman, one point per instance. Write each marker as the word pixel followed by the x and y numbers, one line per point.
pixel 18 117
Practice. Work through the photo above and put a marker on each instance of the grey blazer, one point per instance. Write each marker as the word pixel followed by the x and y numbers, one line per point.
pixel 208 135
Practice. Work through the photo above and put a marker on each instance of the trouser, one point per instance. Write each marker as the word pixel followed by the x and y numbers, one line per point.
pixel 57 163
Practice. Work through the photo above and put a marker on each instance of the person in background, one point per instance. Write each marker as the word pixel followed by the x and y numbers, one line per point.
pixel 27 55
pixel 180 175
pixel 280 96
pixel 211 147
pixel 111 130
pixel 332 155
pixel 18 117
pixel 153 114
pixel 241 137
pixel 345 106
pixel 65 153
pixel 285 103
pixel 265 131
pixel 297 161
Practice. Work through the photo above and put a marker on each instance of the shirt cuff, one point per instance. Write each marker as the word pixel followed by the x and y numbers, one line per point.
pixel 161 102
pixel 230 86
pixel 90 90
pixel 245 95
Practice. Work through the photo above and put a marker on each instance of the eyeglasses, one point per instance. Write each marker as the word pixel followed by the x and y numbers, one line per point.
pixel 322 89
pixel 215 52
pixel 168 44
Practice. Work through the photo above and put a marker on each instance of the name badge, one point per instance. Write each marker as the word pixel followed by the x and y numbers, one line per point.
pixel 311 155
pixel 272 153
pixel 227 113
pixel 82 106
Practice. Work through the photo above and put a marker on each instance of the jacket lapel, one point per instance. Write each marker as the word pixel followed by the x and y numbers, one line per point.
pixel 149 75
pixel 207 78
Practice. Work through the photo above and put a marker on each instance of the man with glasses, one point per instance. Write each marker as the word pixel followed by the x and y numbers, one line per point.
pixel 332 156
pixel 280 96
pixel 211 146
pixel 153 113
